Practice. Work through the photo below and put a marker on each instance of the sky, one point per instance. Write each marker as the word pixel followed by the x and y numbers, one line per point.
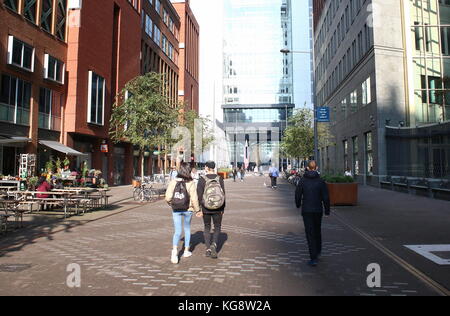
pixel 209 16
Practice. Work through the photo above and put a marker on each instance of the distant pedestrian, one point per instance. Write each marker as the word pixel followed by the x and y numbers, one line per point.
pixel 312 197
pixel 274 174
pixel 211 193
pixel 173 173
pixel 181 195
pixel 348 173
pixel 195 175
pixel 242 174
pixel 234 174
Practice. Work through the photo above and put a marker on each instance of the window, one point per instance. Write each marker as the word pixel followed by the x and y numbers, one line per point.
pixel 20 54
pixel 369 153
pixel 46 16
pixel 355 155
pixel 354 101
pixel 148 26
pixel 366 93
pixel 165 17
pixel 54 69
pixel 61 12
pixel 29 10
pixel 345 145
pixel 96 99
pixel 15 99
pixel 12 4
pixel 158 6
pixel 157 36
pixel 45 108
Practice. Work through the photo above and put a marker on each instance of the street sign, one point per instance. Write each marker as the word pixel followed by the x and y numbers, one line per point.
pixel 323 114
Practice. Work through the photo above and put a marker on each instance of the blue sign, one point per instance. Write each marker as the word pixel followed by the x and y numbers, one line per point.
pixel 323 114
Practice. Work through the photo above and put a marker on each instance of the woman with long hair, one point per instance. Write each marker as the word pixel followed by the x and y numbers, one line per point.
pixel 181 195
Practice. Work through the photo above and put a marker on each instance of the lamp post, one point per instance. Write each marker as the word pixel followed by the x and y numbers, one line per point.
pixel 316 134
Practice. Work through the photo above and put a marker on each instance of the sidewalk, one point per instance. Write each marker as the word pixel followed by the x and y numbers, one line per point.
pixel 397 219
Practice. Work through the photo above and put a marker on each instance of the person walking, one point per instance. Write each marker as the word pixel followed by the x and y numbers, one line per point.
pixel 312 197
pixel 242 173
pixel 181 195
pixel 173 173
pixel 274 174
pixel 211 193
pixel 234 174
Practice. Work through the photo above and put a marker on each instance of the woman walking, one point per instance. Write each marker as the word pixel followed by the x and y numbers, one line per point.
pixel 181 195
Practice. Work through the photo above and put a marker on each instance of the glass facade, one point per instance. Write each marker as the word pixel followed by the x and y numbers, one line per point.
pixel 255 72
pixel 431 61
pixel 257 78
pixel 257 115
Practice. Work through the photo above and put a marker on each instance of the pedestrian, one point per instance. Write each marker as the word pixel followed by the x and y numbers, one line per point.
pixel 211 193
pixel 195 175
pixel 181 195
pixel 312 197
pixel 43 186
pixel 274 174
pixel 234 174
pixel 242 173
pixel 348 173
pixel 173 173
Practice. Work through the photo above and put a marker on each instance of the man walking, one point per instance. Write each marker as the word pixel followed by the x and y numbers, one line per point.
pixel 274 174
pixel 211 194
pixel 312 196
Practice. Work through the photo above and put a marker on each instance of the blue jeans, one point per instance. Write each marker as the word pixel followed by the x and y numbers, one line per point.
pixel 180 218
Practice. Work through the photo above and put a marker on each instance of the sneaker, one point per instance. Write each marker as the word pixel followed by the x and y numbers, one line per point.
pixel 174 257
pixel 312 263
pixel 214 251
pixel 208 253
pixel 187 254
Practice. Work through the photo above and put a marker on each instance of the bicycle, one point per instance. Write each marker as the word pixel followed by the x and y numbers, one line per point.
pixel 145 192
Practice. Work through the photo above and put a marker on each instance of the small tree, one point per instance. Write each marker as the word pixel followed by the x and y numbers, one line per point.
pixel 298 139
pixel 142 114
pixel 189 119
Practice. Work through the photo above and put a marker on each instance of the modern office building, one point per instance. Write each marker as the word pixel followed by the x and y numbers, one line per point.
pixel 382 67
pixel 257 78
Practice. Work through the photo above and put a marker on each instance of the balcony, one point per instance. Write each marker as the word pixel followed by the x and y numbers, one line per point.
pixel 49 122
pixel 15 115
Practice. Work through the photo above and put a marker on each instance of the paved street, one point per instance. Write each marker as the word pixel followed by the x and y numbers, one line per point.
pixel 263 249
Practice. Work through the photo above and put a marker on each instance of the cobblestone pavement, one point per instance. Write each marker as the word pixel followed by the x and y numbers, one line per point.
pixel 263 251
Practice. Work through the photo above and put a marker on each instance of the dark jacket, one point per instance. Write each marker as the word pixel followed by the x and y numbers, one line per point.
pixel 201 189
pixel 312 194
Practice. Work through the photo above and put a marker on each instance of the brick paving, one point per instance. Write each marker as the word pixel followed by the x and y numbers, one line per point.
pixel 263 252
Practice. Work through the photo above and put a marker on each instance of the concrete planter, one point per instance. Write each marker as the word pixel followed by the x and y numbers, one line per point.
pixel 343 193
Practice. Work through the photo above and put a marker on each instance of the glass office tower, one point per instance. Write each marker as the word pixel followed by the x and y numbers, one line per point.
pixel 257 78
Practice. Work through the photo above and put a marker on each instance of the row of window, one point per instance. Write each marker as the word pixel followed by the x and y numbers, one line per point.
pixel 22 55
pixel 45 17
pixel 362 95
pixel 368 143
pixel 168 21
pixel 15 100
pixel 161 40
pixel 360 46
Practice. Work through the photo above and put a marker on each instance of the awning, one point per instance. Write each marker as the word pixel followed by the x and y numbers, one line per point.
pixel 61 148
pixel 13 140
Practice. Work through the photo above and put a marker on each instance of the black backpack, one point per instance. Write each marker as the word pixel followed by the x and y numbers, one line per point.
pixel 181 199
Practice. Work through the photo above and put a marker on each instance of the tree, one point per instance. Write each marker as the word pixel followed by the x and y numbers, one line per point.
pixel 298 139
pixel 142 114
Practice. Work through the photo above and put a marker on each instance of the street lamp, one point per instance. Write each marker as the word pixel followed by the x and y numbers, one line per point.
pixel 316 138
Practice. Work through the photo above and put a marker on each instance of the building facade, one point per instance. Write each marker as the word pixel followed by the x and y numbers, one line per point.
pixel 381 67
pixel 257 79
pixel 189 55
pixel 33 81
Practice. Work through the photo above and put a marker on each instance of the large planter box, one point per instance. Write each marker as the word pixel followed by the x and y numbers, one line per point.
pixel 343 193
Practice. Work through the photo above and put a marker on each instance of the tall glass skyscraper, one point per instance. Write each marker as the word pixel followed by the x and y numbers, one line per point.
pixel 257 78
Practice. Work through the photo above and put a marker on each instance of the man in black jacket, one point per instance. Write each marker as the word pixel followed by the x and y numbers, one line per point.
pixel 211 215
pixel 312 196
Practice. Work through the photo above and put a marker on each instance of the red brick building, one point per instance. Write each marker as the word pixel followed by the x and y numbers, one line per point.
pixel 33 82
pixel 189 55
pixel 104 50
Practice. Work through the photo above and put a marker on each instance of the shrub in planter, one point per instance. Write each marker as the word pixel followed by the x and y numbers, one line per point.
pixel 343 190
